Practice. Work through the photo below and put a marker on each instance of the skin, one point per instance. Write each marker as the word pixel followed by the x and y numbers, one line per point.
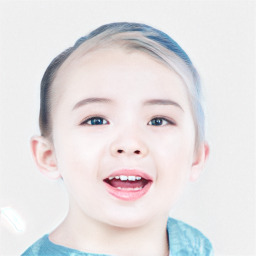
pixel 84 154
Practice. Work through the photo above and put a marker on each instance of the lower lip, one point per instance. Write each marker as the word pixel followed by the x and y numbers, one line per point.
pixel 128 195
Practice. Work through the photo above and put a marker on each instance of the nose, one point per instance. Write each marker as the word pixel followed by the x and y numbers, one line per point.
pixel 125 145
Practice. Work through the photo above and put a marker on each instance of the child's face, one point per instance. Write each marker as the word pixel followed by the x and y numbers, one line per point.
pixel 139 123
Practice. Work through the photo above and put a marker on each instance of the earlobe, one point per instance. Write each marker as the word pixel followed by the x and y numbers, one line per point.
pixel 200 158
pixel 44 156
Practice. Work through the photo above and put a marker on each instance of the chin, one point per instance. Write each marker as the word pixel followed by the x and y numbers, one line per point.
pixel 128 218
pixel 128 223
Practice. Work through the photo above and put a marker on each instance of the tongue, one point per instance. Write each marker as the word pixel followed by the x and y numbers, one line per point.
pixel 128 184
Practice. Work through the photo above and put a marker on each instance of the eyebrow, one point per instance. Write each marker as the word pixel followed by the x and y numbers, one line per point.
pixel 162 102
pixel 91 100
pixel 106 100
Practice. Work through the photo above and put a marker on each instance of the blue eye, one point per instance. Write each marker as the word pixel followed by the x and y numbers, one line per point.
pixel 159 121
pixel 95 121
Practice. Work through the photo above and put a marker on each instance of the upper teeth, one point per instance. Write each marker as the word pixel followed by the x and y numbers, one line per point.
pixel 123 177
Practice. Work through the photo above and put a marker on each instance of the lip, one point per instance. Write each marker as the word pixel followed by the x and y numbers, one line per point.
pixel 131 172
pixel 129 195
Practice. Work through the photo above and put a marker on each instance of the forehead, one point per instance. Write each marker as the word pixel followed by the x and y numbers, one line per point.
pixel 112 70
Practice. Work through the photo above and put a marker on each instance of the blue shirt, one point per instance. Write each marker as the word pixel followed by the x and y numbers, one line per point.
pixel 184 240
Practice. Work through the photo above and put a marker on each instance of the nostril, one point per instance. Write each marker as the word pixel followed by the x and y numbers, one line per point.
pixel 120 151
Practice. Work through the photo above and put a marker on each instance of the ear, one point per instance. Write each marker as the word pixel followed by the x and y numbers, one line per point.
pixel 44 156
pixel 200 157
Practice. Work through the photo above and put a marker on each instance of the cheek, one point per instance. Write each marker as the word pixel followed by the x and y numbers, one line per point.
pixel 78 156
pixel 78 163
pixel 174 158
pixel 176 147
pixel 175 168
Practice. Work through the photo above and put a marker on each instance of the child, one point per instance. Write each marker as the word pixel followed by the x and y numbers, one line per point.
pixel 122 124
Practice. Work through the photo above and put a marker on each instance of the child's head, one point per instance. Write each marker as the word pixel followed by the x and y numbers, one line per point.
pixel 120 118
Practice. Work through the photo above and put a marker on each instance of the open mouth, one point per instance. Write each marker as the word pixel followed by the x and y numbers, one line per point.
pixel 129 183
pixel 128 187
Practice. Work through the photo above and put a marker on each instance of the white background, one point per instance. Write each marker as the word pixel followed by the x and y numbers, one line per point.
pixel 219 36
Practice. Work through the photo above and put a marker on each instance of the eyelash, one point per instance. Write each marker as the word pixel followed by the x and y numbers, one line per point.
pixel 168 122
pixel 86 122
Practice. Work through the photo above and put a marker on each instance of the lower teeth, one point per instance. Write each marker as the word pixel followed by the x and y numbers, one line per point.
pixel 129 188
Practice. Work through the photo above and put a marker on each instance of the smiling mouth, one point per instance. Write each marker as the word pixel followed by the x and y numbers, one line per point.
pixel 128 185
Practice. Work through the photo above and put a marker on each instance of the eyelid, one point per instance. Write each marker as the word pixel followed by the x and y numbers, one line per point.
pixel 88 118
pixel 168 120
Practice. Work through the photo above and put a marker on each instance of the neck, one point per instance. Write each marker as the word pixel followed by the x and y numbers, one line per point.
pixel 88 235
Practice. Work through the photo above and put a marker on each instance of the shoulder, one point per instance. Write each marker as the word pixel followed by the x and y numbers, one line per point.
pixel 44 247
pixel 187 240
pixel 37 248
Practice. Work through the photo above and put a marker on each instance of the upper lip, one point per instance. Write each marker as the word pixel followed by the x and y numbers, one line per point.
pixel 131 172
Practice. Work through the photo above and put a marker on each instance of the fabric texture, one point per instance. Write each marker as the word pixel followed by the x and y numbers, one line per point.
pixel 184 240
